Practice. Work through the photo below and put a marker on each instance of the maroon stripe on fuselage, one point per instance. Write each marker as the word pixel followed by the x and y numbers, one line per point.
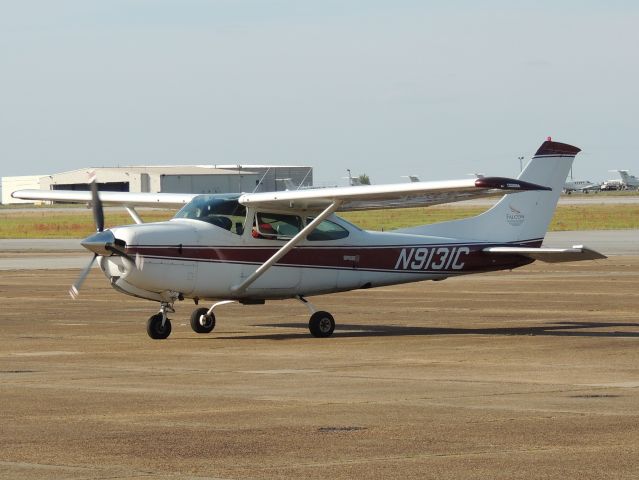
pixel 453 258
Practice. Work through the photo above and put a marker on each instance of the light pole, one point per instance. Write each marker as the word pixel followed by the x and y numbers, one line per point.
pixel 521 164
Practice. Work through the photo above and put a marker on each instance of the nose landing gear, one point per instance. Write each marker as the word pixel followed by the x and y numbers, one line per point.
pixel 158 326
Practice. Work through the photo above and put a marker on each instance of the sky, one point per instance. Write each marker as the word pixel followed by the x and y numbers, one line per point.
pixel 438 89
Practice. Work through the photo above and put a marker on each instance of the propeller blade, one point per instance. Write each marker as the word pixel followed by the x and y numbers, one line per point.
pixel 74 291
pixel 96 203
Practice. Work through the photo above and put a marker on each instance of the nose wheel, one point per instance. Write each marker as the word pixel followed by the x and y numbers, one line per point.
pixel 158 326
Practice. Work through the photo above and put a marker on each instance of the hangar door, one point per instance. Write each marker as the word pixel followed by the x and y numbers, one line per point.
pixel 208 183
pixel 103 187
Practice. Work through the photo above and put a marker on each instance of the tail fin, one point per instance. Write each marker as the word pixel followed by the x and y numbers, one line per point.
pixel 520 217
pixel 624 175
pixel 630 181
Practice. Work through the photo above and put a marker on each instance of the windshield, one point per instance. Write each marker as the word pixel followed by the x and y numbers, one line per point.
pixel 223 211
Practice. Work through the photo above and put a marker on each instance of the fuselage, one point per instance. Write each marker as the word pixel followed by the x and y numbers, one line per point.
pixel 205 258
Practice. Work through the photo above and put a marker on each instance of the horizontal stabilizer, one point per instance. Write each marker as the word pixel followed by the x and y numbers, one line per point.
pixel 550 255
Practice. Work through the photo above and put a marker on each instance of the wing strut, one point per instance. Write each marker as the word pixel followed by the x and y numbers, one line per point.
pixel 134 215
pixel 287 247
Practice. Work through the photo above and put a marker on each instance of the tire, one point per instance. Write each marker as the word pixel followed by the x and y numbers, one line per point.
pixel 195 321
pixel 156 330
pixel 321 324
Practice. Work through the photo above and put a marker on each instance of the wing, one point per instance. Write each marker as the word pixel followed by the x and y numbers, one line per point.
pixel 402 195
pixel 127 199
pixel 550 255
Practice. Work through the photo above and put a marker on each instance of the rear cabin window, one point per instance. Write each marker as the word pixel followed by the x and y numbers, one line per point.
pixel 223 212
pixel 327 230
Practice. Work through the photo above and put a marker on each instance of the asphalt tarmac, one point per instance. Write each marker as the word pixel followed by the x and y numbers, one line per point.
pixel 526 374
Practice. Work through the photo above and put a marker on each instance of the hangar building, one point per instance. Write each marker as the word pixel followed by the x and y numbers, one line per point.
pixel 168 179
pixel 11 184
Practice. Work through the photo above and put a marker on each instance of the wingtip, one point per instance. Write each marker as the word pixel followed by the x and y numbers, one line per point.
pixel 503 183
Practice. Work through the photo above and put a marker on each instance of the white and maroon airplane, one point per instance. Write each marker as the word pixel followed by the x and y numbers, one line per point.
pixel 255 247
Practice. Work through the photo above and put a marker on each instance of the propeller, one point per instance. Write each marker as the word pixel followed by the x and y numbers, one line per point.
pixel 98 211
pixel 98 217
pixel 74 291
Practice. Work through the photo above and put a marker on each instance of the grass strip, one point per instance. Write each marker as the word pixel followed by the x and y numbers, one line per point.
pixel 46 223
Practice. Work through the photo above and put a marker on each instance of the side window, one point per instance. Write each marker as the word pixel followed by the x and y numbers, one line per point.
pixel 327 230
pixel 276 225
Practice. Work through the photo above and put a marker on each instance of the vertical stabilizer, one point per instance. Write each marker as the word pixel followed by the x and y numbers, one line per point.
pixel 629 181
pixel 519 217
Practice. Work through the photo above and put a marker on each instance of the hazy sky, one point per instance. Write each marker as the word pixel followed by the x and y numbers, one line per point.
pixel 389 88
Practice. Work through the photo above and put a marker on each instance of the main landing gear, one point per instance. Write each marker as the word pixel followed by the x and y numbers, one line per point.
pixel 321 324
pixel 203 319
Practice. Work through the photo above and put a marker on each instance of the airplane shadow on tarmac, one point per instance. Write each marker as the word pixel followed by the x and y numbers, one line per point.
pixel 562 329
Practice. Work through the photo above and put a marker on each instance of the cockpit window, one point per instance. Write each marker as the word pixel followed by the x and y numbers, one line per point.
pixel 276 226
pixel 219 210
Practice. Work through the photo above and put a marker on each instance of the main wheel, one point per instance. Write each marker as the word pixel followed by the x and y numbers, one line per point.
pixel 156 330
pixel 209 323
pixel 321 324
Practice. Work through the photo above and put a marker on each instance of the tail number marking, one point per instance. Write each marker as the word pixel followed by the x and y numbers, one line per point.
pixel 435 258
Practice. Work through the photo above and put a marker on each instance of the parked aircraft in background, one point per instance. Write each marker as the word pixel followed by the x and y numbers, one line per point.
pixel 580 186
pixel 253 247
pixel 629 182
pixel 288 183
pixel 611 185
pixel 412 178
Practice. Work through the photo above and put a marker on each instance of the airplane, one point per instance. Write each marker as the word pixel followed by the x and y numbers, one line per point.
pixel 629 182
pixel 288 183
pixel 357 181
pixel 412 178
pixel 254 247
pixel 580 186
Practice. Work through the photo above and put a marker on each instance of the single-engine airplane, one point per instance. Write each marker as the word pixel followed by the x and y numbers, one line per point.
pixel 253 247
